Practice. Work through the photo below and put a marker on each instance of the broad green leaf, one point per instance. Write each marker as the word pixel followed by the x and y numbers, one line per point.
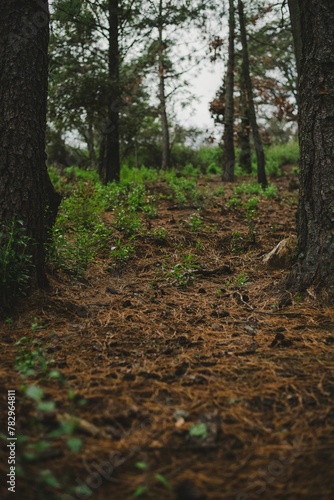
pixel 74 444
pixel 199 430
pixel 35 392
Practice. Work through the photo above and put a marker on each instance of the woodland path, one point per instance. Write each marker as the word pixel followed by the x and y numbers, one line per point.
pixel 223 388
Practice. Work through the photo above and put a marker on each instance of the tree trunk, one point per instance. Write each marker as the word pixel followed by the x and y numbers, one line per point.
pixel 261 173
pixel 296 31
pixel 165 164
pixel 229 155
pixel 316 135
pixel 26 192
pixel 88 135
pixel 112 163
pixel 245 157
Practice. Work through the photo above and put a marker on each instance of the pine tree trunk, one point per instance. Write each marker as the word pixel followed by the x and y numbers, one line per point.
pixel 112 163
pixel 316 135
pixel 229 154
pixel 245 157
pixel 261 173
pixel 165 163
pixel 89 138
pixel 26 192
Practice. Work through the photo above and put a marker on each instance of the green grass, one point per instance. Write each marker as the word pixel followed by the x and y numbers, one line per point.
pixel 279 155
pixel 255 189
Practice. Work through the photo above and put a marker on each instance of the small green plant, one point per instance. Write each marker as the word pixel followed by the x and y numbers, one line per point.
pixel 184 190
pixel 213 169
pixel 121 252
pixel 138 175
pixel 252 207
pixel 35 401
pixel 247 188
pixel 144 487
pixel 237 242
pixel 219 191
pixel 81 209
pixel 270 192
pixel 256 189
pixel 233 202
pixel 15 261
pixel 281 154
pixel 79 233
pixel 111 196
pixel 31 362
pixel 127 222
pixel 241 280
pixel 199 246
pixel 183 274
pixel 159 235
pixel 74 250
pixel 199 430
pixel 195 222
pixel 237 281
pixel 30 359
pixel 190 171
pixel 150 210
pixel 136 198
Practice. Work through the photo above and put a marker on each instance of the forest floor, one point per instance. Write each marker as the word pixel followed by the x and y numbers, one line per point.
pixel 190 370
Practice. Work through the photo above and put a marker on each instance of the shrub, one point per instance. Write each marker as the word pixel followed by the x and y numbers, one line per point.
pixel 15 261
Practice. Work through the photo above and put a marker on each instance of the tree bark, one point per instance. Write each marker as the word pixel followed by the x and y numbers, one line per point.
pixel 245 157
pixel 88 135
pixel 112 163
pixel 261 172
pixel 315 226
pixel 165 163
pixel 26 192
pixel 229 154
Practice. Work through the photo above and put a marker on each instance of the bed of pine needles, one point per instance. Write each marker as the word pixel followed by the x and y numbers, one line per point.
pixel 221 387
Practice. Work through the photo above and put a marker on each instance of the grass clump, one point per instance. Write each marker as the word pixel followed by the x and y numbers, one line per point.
pixel 15 261
pixel 79 233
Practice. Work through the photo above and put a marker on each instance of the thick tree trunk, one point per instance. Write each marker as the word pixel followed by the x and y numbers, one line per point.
pixel 26 192
pixel 316 135
pixel 112 163
pixel 229 154
pixel 165 163
pixel 261 172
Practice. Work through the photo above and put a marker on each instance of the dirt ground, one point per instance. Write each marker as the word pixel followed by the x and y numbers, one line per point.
pixel 222 388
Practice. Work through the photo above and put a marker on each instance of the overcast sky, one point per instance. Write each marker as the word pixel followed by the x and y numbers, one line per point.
pixel 204 85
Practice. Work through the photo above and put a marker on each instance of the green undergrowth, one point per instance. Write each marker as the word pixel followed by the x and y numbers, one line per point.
pixel 45 424
pixel 15 261
pixel 108 221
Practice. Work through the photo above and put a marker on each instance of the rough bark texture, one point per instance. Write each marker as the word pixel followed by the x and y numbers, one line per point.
pixel 165 163
pixel 245 157
pixel 229 154
pixel 112 164
pixel 26 192
pixel 261 173
pixel 316 136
